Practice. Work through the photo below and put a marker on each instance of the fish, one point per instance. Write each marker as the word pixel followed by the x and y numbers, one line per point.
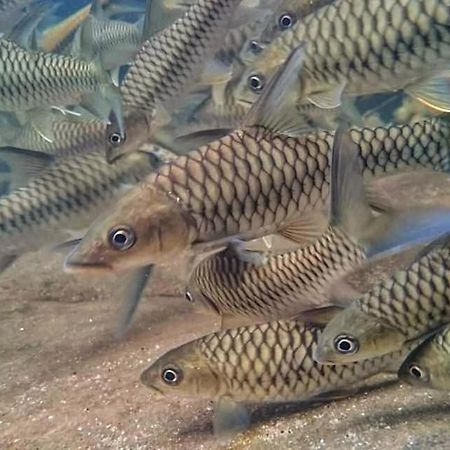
pixel 270 362
pixel 64 80
pixel 152 81
pixel 54 35
pixel 428 366
pixel 305 278
pixel 70 135
pixel 63 198
pixel 255 181
pixel 361 48
pixel 410 304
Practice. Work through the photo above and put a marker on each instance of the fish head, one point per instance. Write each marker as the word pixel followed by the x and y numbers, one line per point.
pixel 257 75
pixel 144 227
pixel 126 138
pixel 184 371
pixel 354 335
pixel 428 366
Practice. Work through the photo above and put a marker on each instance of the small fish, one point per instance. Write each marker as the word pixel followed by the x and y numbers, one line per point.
pixel 271 362
pixel 53 36
pixel 305 278
pixel 428 366
pixel 364 47
pixel 410 304
pixel 43 79
pixel 152 80
pixel 64 198
pixel 248 184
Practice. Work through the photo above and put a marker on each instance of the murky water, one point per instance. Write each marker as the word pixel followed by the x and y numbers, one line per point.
pixel 67 379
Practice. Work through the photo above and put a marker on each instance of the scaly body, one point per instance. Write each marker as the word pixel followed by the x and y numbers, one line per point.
pixel 252 181
pixel 30 80
pixel 408 305
pixel 366 47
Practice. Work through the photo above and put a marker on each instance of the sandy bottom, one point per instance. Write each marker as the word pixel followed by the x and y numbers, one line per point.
pixel 67 383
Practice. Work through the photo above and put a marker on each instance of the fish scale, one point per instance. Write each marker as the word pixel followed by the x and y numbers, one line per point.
pixel 268 362
pixel 166 62
pixel 415 300
pixel 366 46
pixel 282 286
pixel 32 79
pixel 254 180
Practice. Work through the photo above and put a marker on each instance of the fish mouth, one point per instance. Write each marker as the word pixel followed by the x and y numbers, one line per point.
pixel 86 268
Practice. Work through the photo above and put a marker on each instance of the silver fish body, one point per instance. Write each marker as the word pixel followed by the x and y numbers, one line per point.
pixel 165 63
pixel 31 80
pixel 252 181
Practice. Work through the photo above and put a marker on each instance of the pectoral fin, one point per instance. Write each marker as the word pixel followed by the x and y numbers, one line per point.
pixel 133 287
pixel 434 92
pixel 230 417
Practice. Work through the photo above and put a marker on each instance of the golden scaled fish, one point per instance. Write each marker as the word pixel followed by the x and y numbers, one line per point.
pixel 164 66
pixel 355 48
pixel 410 304
pixel 428 366
pixel 271 362
pixel 306 277
pixel 248 184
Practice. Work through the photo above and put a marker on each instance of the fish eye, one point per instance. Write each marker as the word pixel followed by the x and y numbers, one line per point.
pixel 189 297
pixel 172 376
pixel 286 20
pixel 255 47
pixel 346 344
pixel 154 160
pixel 116 139
pixel 256 82
pixel 122 238
pixel 416 372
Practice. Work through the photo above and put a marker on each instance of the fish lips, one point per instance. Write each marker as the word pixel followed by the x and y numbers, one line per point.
pixel 74 264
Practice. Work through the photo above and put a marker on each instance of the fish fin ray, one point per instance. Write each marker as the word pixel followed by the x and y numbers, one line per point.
pixel 328 99
pixel 433 92
pixel 305 230
pixel 230 417
pixel 276 109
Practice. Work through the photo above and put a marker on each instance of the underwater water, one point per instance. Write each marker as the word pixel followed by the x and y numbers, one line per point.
pixel 197 197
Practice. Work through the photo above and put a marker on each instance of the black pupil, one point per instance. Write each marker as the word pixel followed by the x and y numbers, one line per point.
pixel 345 345
pixel 415 372
pixel 120 238
pixel 170 376
pixel 255 82
pixel 255 47
pixel 286 21
pixel 115 138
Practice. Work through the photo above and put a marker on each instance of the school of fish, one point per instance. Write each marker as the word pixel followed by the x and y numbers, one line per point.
pixel 250 141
